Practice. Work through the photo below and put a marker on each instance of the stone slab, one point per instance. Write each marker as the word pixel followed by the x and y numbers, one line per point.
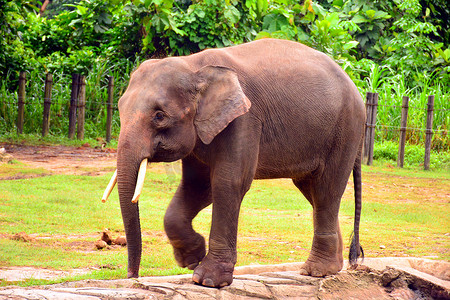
pixel 398 281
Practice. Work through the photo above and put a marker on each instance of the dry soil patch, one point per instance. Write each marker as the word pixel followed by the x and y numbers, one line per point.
pixel 64 159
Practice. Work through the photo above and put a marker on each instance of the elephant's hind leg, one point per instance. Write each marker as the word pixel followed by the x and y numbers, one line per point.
pixel 326 256
pixel 193 194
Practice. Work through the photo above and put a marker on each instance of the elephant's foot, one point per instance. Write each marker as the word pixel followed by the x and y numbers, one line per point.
pixel 213 273
pixel 325 257
pixel 189 254
pixel 320 268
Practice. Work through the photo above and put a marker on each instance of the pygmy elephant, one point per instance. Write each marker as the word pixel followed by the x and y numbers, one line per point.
pixel 265 109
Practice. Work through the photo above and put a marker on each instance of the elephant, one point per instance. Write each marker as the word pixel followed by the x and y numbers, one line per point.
pixel 260 110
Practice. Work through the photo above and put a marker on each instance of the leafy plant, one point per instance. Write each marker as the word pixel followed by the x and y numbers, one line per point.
pixel 395 48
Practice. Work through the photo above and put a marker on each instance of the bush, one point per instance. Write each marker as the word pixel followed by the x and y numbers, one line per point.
pixel 395 48
pixel 414 155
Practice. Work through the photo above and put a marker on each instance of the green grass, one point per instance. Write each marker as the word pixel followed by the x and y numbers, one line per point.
pixel 15 169
pixel 404 210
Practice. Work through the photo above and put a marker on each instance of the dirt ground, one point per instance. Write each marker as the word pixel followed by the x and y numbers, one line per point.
pixel 86 160
pixel 63 159
pixel 83 160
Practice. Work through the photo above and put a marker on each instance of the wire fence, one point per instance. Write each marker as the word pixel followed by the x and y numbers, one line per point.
pixel 25 112
pixel 101 110
pixel 372 125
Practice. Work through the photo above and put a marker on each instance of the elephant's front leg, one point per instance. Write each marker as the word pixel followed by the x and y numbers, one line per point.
pixel 233 160
pixel 216 269
pixel 192 196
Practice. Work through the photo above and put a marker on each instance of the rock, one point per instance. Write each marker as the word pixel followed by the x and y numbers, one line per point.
pixel 439 269
pixel 121 241
pixel 295 276
pixel 100 244
pixel 425 283
pixel 21 293
pixel 281 291
pixel 106 236
pixel 249 288
pixel 389 275
pixel 103 293
pixel 363 283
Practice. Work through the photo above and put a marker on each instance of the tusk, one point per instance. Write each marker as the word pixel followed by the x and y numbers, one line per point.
pixel 140 180
pixel 110 187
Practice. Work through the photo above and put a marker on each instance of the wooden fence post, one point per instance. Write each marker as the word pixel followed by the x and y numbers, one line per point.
pixel 373 123
pixel 81 107
pixel 371 120
pixel 73 105
pixel 429 132
pixel 369 97
pixel 404 122
pixel 21 101
pixel 109 111
pixel 47 103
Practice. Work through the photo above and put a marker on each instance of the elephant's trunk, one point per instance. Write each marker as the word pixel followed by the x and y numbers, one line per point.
pixel 127 177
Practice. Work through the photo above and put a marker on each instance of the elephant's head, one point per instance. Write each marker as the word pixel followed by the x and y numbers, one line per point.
pixel 165 109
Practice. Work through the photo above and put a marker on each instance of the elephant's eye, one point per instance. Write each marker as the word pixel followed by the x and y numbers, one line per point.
pixel 159 116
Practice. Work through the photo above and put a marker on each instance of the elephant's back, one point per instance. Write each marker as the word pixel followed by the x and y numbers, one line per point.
pixel 267 55
pixel 277 64
pixel 283 77
pixel 304 100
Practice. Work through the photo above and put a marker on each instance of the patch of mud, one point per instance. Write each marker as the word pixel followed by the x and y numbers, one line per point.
pixel 86 243
pixel 22 237
pixel 63 159
pixel 358 285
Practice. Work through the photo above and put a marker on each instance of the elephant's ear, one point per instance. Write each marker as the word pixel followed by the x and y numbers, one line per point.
pixel 220 101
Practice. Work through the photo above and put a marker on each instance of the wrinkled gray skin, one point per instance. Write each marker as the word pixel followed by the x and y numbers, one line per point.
pixel 266 109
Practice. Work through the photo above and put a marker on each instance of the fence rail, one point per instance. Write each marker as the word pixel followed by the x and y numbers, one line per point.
pixel 77 111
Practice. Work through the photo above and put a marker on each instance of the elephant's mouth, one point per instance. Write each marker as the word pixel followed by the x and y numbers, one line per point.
pixel 139 182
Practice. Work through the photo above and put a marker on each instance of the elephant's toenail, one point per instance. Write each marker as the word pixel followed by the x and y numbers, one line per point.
pixel 208 282
pixel 196 278
pixel 303 272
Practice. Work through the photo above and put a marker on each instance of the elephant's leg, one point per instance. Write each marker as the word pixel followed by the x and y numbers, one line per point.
pixel 192 196
pixel 326 256
pixel 232 172
pixel 216 269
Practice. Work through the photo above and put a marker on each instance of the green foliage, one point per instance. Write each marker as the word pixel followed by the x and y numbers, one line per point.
pixel 96 95
pixel 395 48
pixel 173 29
pixel 414 155
pixel 13 53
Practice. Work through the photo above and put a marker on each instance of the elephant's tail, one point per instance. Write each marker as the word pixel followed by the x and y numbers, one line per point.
pixel 355 248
